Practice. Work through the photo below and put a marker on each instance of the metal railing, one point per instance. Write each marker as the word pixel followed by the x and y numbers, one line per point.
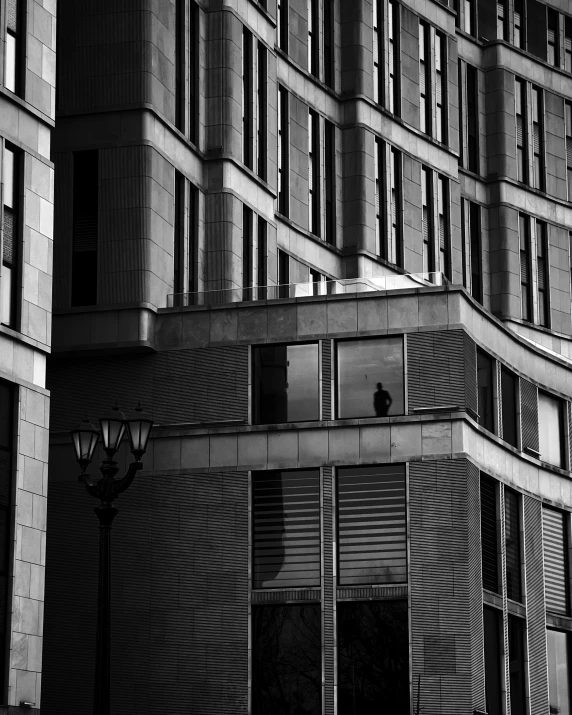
pixel 307 289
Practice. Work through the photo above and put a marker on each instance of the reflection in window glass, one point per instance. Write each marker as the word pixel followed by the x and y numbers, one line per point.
pixel 550 429
pixel 558 672
pixel 286 387
pixel 373 658
pixel 286 660
pixel 370 377
pixel 492 661
pixel 286 516
pixel 485 390
pixel 10 76
pixel 509 425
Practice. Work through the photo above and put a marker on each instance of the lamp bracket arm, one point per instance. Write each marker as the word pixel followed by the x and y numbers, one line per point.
pixel 92 489
pixel 120 485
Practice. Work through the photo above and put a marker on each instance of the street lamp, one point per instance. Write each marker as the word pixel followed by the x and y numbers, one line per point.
pixel 113 427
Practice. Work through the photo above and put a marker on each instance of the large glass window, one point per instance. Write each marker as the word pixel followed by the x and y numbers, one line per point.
pixel 558 650
pixel 286 660
pixel 493 682
pixel 512 537
pixel 485 390
pixel 550 429
pixel 373 658
pixel 286 525
pixel 370 377
pixel 509 421
pixel 372 537
pixel 516 646
pixel 286 387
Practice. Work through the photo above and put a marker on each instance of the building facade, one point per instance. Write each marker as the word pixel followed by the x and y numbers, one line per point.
pixel 328 247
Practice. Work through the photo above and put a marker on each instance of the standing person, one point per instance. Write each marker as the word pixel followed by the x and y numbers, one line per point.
pixel 381 401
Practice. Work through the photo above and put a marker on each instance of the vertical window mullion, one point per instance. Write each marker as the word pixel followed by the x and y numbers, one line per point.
pixel 378 43
pixel 393 58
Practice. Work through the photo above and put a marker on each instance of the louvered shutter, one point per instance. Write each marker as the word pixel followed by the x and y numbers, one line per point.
pixel 393 207
pixel 569 151
pixel 377 211
pixel 439 87
pixel 425 223
pixel 12 15
pixel 541 274
pixel 512 533
pixel 536 137
pixel 9 235
pixel 286 528
pixel 391 60
pixel 524 267
pixel 555 561
pixel 551 36
pixel 422 77
pixel 442 232
pixel 519 130
pixel 489 546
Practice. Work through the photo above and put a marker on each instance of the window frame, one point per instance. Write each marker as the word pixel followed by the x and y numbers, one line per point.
pixel 14 267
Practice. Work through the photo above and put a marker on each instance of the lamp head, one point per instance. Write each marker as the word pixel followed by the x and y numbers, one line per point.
pixel 84 438
pixel 139 428
pixel 112 430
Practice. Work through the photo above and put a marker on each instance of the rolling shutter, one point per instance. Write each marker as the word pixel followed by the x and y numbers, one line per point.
pixel 555 560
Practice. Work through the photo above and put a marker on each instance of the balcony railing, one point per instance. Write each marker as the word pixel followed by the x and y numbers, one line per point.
pixel 305 290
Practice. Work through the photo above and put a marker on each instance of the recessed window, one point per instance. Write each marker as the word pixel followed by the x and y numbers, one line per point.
pixel 516 648
pixel 373 658
pixel 512 543
pixel 372 538
pixel 485 390
pixel 286 387
pixel 489 534
pixel 286 659
pixel 370 377
pixel 286 528
pixel 558 651
pixel 555 541
pixel 550 429
pixel 8 269
pixel 509 393
pixel 493 677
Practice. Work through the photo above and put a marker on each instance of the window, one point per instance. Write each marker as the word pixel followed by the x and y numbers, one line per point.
pixel 538 139
pixel 85 227
pixel 328 43
pixel 394 247
pixel 283 151
pixel 379 197
pixel 179 238
pixel 501 20
pixel 370 377
pixel 427 219
pixel 558 651
pixel 393 37
pixel 492 620
pixel 424 77
pixel 283 274
pixel 542 274
pixel 472 120
pixel 330 181
pixel 441 86
pixel 508 401
pixel 377 51
pixel 520 103
pixel 314 172
pixel 519 39
pixel 286 659
pixel 319 282
pixel 11 224
pixel 282 24
pixel 12 68
pixel 552 37
pixel 262 104
pixel 180 65
pixel 473 228
pixel 469 25
pixel 262 259
pixel 555 540
pixel 512 543
pixel 373 657
pixel 443 223
pixel 194 65
pixel 568 44
pixel 286 387
pixel 247 250
pixel 372 533
pixel 6 441
pixel 568 115
pixel 246 98
pixel 286 528
pixel 550 429
pixel 526 294
pixel 462 113
pixel 485 379
pixel 516 647
pixel 312 37
pixel 193 247
pixel 489 537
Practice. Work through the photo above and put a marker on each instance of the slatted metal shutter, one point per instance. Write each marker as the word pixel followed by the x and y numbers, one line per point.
pixel 12 15
pixel 529 415
pixel 328 588
pixel 489 539
pixel 554 534
pixel 9 237
pixel 519 130
pixel 286 516
pixel 326 379
pixel 512 538
pixel 372 525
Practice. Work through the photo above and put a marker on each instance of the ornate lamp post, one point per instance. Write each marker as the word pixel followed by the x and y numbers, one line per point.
pixel 113 427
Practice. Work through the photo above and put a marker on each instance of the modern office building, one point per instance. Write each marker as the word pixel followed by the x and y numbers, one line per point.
pixel 27 111
pixel 327 245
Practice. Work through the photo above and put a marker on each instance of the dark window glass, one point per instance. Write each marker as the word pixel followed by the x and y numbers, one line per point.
pixel 286 385
pixel 12 68
pixel 568 44
pixel 568 117
pixel 314 172
pixel 493 682
pixel 330 181
pixel 550 429
pixel 501 20
pixel 441 87
pixel 373 658
pixel 378 42
pixel 286 660
pixel 180 65
pixel 379 165
pixel 313 63
pixel 370 377
pixel 428 246
pixel 283 274
pixel 553 40
pixel 262 107
pixel 475 251
pixel 194 65
pixel 10 243
pixel 286 519
pixel 485 390
pixel 462 109
pixel 489 543
pixel 509 422
pixel 85 227
pixel 512 536
pixel 555 540
pixel 372 525
pixel 424 77
pixel 282 24
pixel 558 651
pixel 519 33
pixel 394 248
pixel 179 237
pixel 537 138
pixel 443 225
pixel 283 150
pixel 247 245
pixel 262 266
pixel 328 20
pixel 469 25
pixel 472 120
pixel 394 94
pixel 246 98
pixel 516 642
pixel 193 257
pixel 542 274
pixel 521 129
pixel 526 294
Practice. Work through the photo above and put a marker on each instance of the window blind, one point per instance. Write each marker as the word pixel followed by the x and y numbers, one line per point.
pixel 489 535
pixel 554 535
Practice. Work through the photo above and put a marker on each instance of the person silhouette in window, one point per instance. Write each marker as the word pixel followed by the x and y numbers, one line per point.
pixel 381 401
